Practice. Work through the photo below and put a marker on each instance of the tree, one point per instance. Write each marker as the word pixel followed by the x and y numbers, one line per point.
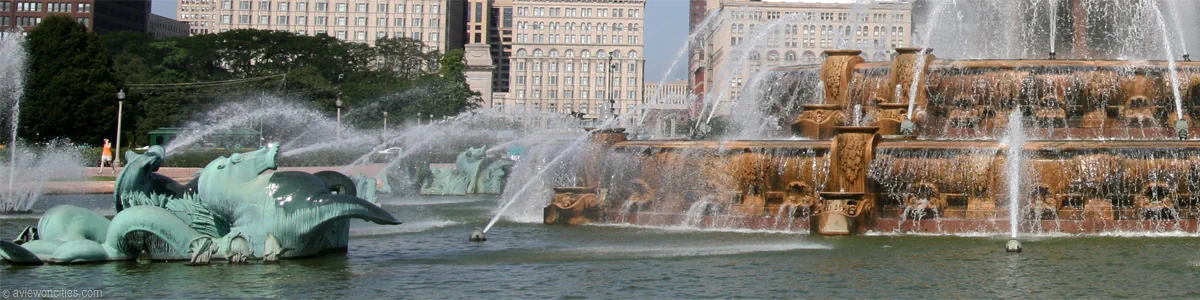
pixel 453 64
pixel 71 91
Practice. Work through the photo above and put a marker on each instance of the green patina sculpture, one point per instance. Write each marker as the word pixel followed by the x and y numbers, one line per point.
pixel 473 173
pixel 232 211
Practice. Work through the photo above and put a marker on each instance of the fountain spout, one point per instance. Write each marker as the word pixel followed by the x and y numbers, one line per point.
pixel 1181 128
pixel 1053 55
pixel 1187 57
pixel 908 127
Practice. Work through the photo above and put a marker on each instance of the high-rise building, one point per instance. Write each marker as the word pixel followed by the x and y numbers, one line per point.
pixel 755 35
pixel 98 15
pixel 561 56
pixel 437 23
pixel 163 27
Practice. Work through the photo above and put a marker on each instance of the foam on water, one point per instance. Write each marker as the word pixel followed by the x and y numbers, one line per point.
pixel 429 201
pixel 1043 235
pixel 406 227
pixel 691 229
pixel 699 250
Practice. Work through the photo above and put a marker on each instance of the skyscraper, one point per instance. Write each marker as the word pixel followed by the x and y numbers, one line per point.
pixel 437 23
pixel 558 56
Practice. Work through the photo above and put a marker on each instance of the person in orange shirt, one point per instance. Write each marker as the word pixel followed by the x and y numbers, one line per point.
pixel 106 156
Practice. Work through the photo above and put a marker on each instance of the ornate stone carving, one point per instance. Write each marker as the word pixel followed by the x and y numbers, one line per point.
pixel 817 121
pixel 574 206
pixel 836 74
pixel 1156 201
pixel 1138 108
pixel 852 150
pixel 903 73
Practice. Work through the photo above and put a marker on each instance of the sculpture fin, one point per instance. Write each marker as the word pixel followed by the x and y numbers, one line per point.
pixel 201 219
pixel 335 207
pixel 15 254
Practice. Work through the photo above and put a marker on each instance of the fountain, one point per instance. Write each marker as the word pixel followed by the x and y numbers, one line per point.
pixel 12 84
pixel 1071 145
pixel 231 210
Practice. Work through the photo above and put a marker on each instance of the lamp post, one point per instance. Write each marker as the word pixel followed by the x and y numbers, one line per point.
pixel 385 122
pixel 339 116
pixel 612 103
pixel 120 110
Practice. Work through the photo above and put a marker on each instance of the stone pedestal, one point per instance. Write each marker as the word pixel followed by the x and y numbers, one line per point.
pixel 903 74
pixel 836 73
pixel 840 213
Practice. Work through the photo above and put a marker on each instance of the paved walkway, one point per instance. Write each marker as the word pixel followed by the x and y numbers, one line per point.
pixel 182 175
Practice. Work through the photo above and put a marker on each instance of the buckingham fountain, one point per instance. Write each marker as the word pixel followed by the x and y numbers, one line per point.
pixel 920 144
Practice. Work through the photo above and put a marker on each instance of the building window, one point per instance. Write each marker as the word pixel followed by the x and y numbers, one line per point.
pixel 382 7
pixel 301 20
pixel 360 21
pixel 400 8
pixel 322 20
pixel 381 22
pixel 479 12
pixel 283 6
pixel 435 23
pixel 416 36
pixel 224 5
pixel 341 21
pixel 341 35
pixel 416 8
pixel 264 5
pixel 302 6
pixel 435 9
pixel 342 7
pixel 244 5
pixel 244 19
pixel 416 22
pixel 322 6
pixel 508 17
pixel 360 35
pixel 361 7
pixel 433 36
pixel 281 20
pixel 226 19
pixel 399 22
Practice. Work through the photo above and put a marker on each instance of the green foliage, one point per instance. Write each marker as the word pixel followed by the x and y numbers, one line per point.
pixel 71 89
pixel 76 98
pixel 453 64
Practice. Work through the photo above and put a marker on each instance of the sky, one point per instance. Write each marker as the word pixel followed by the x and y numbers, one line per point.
pixel 666 29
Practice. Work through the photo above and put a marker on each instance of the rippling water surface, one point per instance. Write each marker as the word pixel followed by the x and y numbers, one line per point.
pixel 429 257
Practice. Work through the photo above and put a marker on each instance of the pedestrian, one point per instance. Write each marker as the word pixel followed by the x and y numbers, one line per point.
pixel 106 156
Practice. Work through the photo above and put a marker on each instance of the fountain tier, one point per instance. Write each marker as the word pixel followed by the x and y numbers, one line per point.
pixel 1104 153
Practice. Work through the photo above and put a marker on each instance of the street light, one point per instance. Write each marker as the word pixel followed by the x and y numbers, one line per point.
pixel 120 109
pixel 339 116
pixel 385 122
